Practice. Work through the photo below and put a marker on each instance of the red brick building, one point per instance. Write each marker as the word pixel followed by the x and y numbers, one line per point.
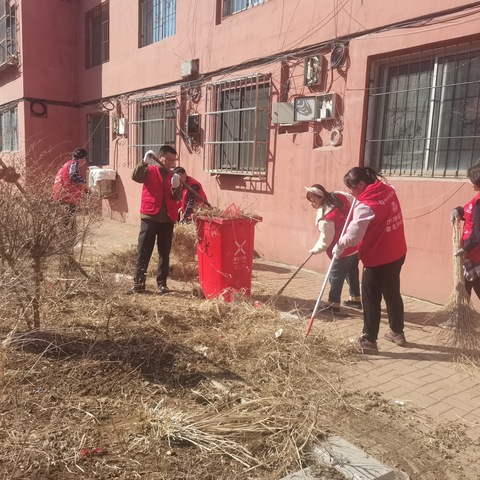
pixel 260 98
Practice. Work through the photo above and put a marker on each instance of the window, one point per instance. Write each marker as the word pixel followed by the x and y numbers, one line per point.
pixel 9 124
pixel 98 133
pixel 237 126
pixel 234 6
pixel 424 113
pixel 97 35
pixel 155 125
pixel 8 32
pixel 157 20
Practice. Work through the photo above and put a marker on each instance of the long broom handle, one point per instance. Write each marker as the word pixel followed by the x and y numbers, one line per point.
pixel 312 319
pixel 188 187
pixel 290 279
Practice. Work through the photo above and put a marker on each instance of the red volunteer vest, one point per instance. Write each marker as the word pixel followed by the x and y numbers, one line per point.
pixel 64 188
pixel 338 218
pixel 154 191
pixel 191 182
pixel 468 227
pixel 384 241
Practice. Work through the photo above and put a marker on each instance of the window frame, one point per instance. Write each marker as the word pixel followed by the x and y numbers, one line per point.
pixel 231 7
pixel 9 130
pixel 448 81
pixel 99 139
pixel 8 33
pixel 97 35
pixel 149 31
pixel 139 138
pixel 247 154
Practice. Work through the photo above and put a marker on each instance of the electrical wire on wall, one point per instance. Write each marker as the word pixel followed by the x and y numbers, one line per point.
pixel 437 207
pixel 338 56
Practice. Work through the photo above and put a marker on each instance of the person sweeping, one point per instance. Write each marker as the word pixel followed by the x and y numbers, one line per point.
pixel 332 210
pixel 377 229
pixel 470 240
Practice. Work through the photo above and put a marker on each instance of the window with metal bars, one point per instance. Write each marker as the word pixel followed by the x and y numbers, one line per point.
pixel 153 123
pixel 233 6
pixel 99 139
pixel 157 20
pixel 9 127
pixel 424 113
pixel 237 126
pixel 97 35
pixel 8 33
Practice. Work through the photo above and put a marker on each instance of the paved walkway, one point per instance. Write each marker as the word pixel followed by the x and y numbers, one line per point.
pixel 426 374
pixel 423 374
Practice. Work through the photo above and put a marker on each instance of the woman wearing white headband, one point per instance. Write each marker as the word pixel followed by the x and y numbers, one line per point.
pixel 332 211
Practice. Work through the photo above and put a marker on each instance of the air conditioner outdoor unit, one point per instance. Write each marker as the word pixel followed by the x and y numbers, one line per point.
pixel 282 113
pixel 101 181
pixel 9 61
pixel 189 68
pixel 312 72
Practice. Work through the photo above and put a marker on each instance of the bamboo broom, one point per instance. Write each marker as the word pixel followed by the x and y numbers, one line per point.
pixel 458 318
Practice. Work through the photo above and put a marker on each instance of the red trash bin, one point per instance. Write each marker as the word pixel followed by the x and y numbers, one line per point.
pixel 225 254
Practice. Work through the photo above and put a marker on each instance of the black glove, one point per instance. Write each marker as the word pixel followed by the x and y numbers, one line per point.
pixel 455 216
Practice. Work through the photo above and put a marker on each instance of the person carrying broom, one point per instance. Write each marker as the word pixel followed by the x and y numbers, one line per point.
pixel 470 240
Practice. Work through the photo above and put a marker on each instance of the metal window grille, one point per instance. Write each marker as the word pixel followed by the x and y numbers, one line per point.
pixel 157 20
pixel 153 123
pixel 97 35
pixel 8 32
pixel 424 113
pixel 98 134
pixel 237 126
pixel 233 6
pixel 9 127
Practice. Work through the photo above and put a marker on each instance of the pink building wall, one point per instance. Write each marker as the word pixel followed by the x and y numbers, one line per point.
pixel 271 37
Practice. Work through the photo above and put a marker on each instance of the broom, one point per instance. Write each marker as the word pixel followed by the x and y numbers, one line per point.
pixel 458 318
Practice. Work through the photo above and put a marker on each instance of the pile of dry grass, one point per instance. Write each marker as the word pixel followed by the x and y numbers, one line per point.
pixel 233 211
pixel 458 318
pixel 184 252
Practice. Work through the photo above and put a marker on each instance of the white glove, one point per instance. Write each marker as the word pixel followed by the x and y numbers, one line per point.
pixel 314 251
pixel 337 251
pixel 148 154
pixel 175 180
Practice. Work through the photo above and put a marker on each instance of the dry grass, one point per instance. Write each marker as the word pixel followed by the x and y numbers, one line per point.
pixel 232 211
pixel 160 387
pixel 184 252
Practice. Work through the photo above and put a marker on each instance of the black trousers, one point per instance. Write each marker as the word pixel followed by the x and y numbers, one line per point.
pixel 383 280
pixel 475 284
pixel 150 232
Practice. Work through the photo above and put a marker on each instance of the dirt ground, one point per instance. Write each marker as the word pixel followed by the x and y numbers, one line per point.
pixel 173 387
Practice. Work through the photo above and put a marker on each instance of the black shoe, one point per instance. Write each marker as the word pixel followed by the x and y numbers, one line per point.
pixel 136 289
pixel 353 304
pixel 331 307
pixel 163 289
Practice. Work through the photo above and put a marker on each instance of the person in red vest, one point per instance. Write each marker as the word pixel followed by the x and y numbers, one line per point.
pixel 189 199
pixel 69 184
pixel 470 242
pixel 377 229
pixel 158 213
pixel 9 175
pixel 332 211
